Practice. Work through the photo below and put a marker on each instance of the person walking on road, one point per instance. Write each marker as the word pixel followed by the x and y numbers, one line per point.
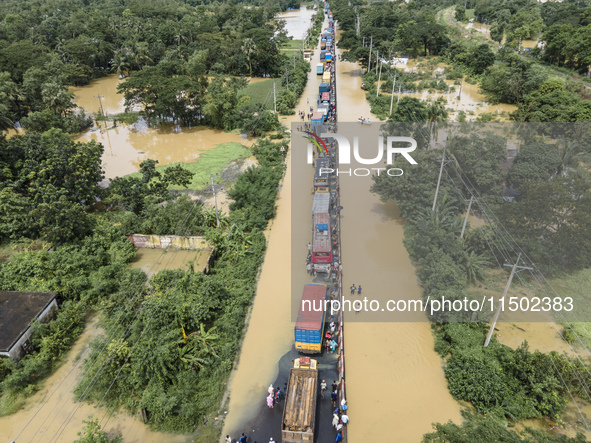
pixel 309 247
pixel 334 386
pixel 333 398
pixel 359 290
pixel 353 288
pixel 322 388
pixel 270 401
pixel 335 420
pixel 242 439
pixel 228 439
pixel 345 418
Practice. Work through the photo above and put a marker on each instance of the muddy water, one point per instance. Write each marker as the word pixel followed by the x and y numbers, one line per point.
pixel 395 380
pixel 126 146
pixel 269 333
pixel 57 403
pixel 86 97
pixel 153 260
pixel 297 22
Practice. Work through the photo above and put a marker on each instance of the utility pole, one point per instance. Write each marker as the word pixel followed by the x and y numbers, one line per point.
pixel 379 78
pixel 439 180
pixel 392 98
pixel 215 202
pixel 377 60
pixel 498 311
pixel 105 121
pixel 466 218
pixel 370 47
pixel 364 42
pixel 274 99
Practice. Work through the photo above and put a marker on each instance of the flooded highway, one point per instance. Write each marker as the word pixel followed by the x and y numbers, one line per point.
pixel 395 380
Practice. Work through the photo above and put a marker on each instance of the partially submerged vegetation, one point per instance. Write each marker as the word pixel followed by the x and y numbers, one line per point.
pixel 509 384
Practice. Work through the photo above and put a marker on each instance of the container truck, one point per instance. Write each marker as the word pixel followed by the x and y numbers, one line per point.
pixel 320 69
pixel 324 87
pixel 317 119
pixel 326 75
pixel 309 328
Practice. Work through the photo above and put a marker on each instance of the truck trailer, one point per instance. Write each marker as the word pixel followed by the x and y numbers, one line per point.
pixel 299 413
pixel 309 328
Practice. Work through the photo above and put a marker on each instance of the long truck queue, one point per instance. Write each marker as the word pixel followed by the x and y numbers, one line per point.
pixel 323 261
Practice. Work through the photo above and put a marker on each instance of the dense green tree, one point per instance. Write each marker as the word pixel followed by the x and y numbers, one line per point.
pixel 479 157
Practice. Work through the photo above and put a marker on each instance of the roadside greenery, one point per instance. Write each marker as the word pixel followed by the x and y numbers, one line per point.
pixel 497 380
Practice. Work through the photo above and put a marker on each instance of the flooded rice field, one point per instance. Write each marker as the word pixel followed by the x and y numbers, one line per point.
pixel 126 146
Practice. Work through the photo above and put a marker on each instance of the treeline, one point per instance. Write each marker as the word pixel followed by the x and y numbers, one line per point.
pixel 563 26
pixel 46 46
pixel 498 381
pixel 173 359
pixel 507 77
pixel 394 27
pixel 178 335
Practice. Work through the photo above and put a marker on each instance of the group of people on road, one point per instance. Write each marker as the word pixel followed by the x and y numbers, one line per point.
pixel 245 439
pixel 353 289
pixel 275 396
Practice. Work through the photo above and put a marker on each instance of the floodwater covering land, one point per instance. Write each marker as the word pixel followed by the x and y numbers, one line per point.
pixel 395 380
pixel 53 410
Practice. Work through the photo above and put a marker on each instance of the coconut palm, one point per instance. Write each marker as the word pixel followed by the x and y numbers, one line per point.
pixel 249 48
pixel 474 265
pixel 56 98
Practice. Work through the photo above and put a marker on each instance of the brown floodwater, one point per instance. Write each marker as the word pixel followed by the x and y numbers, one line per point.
pixel 297 21
pixel 44 413
pixel 395 381
pixel 86 97
pixel 152 261
pixel 269 332
pixel 126 146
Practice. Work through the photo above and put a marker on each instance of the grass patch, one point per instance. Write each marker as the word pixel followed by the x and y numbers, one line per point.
pixel 125 117
pixel 262 92
pixel 217 158
pixel 469 14
pixel 292 44
pixel 578 286
pixel 10 403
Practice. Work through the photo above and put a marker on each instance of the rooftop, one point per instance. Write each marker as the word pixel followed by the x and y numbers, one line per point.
pixel 17 311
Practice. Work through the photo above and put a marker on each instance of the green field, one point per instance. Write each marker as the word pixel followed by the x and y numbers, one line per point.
pixel 469 14
pixel 218 158
pixel 292 44
pixel 262 92
pixel 576 285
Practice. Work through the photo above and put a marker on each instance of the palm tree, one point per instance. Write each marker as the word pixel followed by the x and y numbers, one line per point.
pixel 436 113
pixel 474 265
pixel 141 53
pixel 571 154
pixel 56 98
pixel 249 48
pixel 120 63
pixel 443 217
